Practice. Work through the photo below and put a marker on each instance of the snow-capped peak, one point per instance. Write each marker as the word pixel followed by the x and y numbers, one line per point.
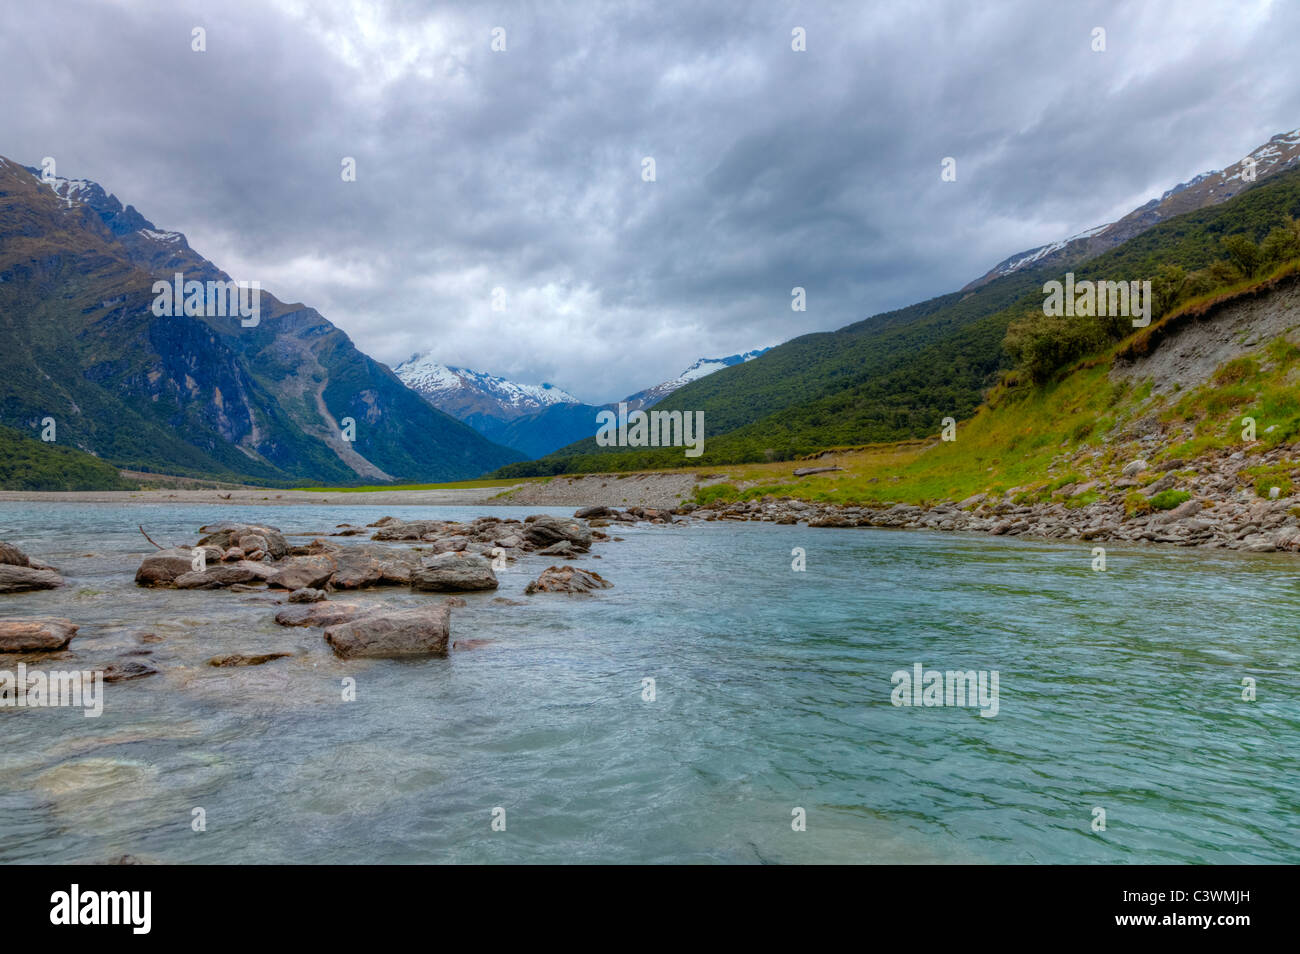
pixel 701 368
pixel 70 190
pixel 462 391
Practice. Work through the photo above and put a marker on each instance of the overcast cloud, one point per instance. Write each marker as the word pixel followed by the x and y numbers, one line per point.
pixel 522 169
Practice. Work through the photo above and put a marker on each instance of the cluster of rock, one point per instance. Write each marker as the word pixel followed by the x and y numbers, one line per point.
pixel 20 573
pixel 605 516
pixel 1219 511
pixel 446 557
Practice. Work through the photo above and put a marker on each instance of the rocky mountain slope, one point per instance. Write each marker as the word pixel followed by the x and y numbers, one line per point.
pixel 197 396
pixel 1279 154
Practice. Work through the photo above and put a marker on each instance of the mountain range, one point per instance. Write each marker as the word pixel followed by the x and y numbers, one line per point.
pixel 196 396
pixel 896 375
pixel 205 397
pixel 532 419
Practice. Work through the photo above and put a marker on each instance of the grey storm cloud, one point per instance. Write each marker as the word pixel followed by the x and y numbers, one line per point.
pixel 521 170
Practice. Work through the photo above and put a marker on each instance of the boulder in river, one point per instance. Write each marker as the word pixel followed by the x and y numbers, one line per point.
pixel 568 579
pixel 419 631
pixel 165 566
pixel 544 530
pixel 562 549
pixel 217 576
pixel 454 573
pixel 303 572
pixel 317 614
pixel 306 595
pixel 20 573
pixel 20 579
pixel 354 569
pixel 37 634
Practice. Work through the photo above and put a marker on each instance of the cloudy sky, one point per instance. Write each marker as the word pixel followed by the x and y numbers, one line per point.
pixel 522 169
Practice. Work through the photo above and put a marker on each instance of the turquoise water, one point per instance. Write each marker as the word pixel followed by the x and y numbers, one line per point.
pixel 1119 690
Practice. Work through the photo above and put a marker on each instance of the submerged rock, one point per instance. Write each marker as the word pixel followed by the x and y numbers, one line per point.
pixel 421 631
pixel 38 634
pixel 125 671
pixel 568 579
pixel 234 660
pixel 306 595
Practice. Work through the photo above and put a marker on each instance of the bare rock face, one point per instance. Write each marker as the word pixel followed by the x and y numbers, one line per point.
pixel 454 572
pixel 19 579
pixel 420 631
pixel 544 531
pixel 317 614
pixel 568 579
pixel 38 634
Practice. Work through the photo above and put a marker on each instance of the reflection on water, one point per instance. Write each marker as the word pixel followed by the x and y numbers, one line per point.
pixel 1119 690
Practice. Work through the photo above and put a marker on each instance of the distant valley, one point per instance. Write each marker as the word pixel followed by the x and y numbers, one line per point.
pixel 532 419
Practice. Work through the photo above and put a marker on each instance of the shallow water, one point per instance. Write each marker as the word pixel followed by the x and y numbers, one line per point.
pixel 1119 690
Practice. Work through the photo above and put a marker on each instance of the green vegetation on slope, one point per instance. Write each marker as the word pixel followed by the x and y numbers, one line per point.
pixel 29 464
pixel 1063 441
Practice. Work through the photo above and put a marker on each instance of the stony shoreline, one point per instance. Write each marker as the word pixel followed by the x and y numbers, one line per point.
pixel 1219 512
